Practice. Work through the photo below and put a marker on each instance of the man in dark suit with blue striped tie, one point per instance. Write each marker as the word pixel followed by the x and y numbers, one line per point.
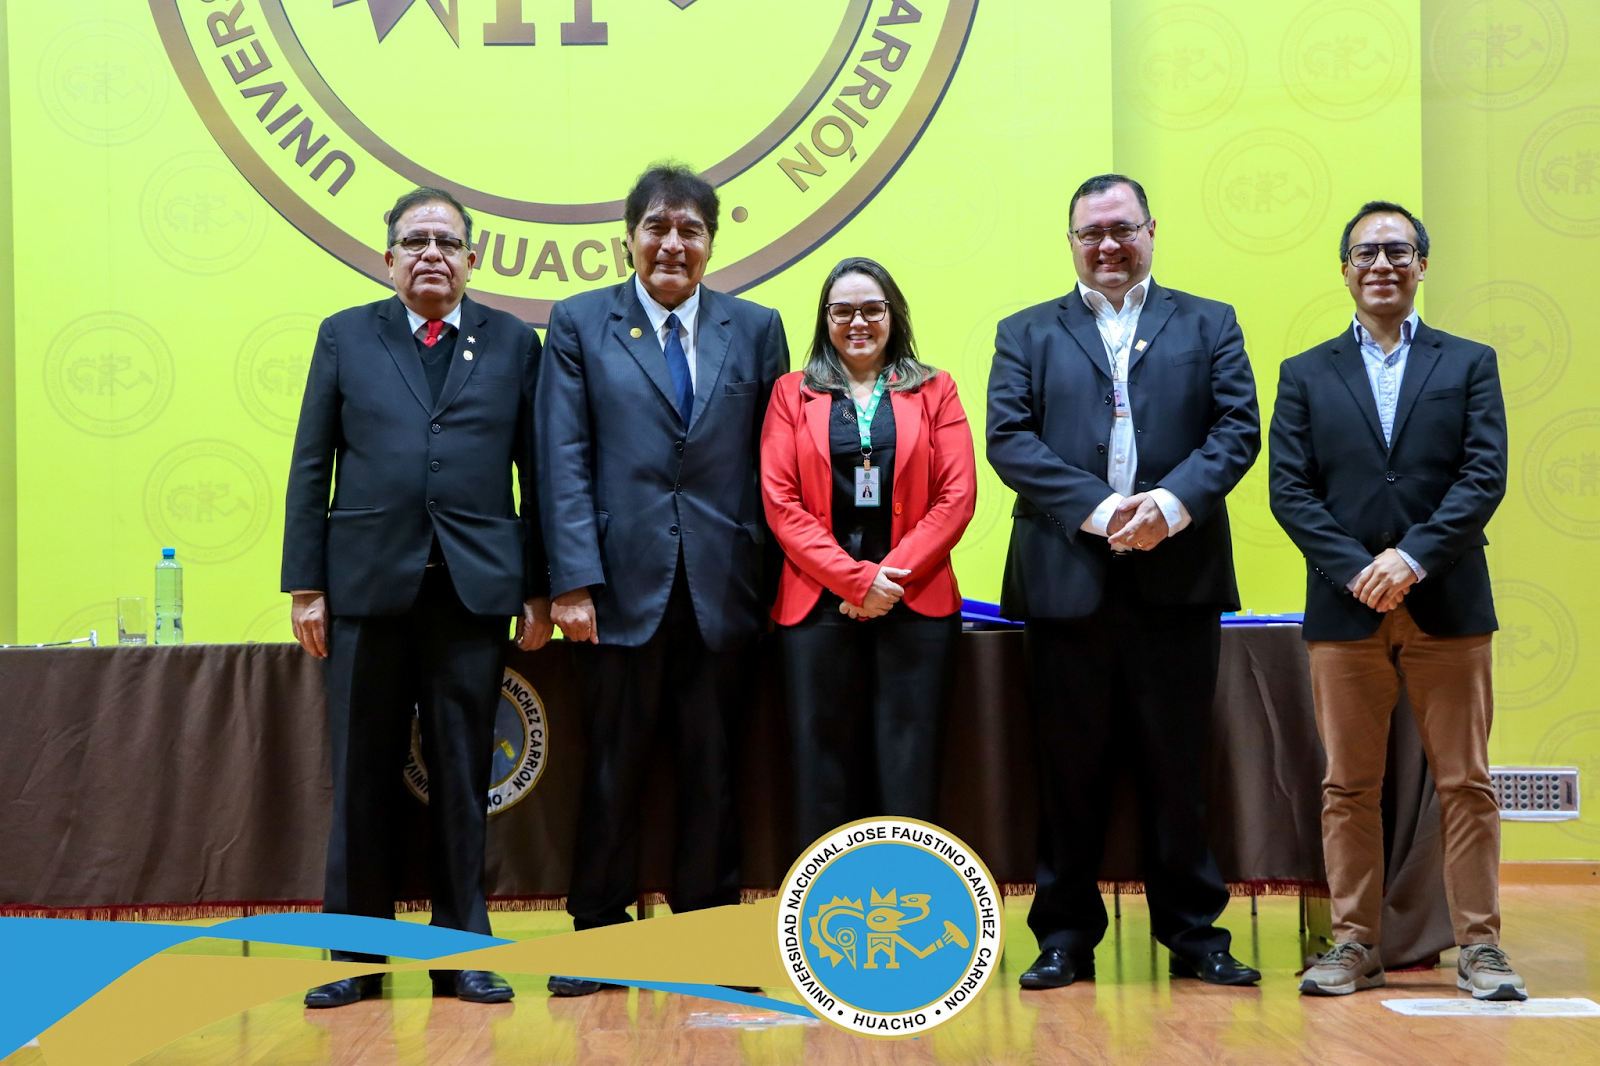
pixel 651 399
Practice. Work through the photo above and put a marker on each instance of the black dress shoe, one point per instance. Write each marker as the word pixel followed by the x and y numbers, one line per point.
pixel 344 992
pixel 474 986
pixel 576 986
pixel 1217 968
pixel 1054 968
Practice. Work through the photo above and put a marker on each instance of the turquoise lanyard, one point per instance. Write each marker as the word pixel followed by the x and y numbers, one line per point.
pixel 864 418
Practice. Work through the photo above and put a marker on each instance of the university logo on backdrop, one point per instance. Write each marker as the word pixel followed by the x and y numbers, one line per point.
pixel 538 115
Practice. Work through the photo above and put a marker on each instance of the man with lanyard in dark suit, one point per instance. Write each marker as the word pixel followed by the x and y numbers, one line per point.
pixel 1122 414
pixel 651 400
pixel 422 403
pixel 1388 459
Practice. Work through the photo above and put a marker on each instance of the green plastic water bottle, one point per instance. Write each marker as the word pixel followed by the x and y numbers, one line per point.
pixel 169 598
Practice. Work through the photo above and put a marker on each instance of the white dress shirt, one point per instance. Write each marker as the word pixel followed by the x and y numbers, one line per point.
pixel 688 314
pixel 417 321
pixel 1385 372
pixel 1117 330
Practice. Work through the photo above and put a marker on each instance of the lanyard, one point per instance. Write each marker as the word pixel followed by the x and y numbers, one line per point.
pixel 864 418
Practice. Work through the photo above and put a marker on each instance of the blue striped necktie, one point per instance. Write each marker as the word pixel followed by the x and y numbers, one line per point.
pixel 678 367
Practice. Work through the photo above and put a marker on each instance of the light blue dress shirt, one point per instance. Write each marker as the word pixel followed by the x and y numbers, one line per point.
pixel 1385 372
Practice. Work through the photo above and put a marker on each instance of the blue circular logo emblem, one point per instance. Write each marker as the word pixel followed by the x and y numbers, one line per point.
pixel 889 927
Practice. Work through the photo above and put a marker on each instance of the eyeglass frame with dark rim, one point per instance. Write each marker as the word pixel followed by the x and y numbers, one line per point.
pixel 1133 229
pixel 861 309
pixel 1384 247
pixel 448 244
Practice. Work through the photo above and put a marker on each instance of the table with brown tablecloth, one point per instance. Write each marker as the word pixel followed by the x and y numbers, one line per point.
pixel 190 781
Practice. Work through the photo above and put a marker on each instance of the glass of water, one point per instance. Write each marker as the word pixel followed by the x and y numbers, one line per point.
pixel 131 625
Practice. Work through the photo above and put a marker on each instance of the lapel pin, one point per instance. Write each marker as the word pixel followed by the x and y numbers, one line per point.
pixel 1141 346
pixel 636 332
pixel 466 355
pixel 472 340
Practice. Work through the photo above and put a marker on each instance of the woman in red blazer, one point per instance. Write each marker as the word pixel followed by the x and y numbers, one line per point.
pixel 868 477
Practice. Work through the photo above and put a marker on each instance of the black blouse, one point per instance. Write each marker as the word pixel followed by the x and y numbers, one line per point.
pixel 863 532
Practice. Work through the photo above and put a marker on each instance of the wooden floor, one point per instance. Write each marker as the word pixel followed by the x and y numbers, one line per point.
pixel 1131 1014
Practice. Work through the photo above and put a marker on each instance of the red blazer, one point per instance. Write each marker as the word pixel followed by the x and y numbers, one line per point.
pixel 935 487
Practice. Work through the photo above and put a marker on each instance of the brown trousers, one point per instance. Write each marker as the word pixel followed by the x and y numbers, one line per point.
pixel 1355 685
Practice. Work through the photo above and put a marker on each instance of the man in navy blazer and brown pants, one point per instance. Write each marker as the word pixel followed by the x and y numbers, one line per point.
pixel 1122 414
pixel 1388 459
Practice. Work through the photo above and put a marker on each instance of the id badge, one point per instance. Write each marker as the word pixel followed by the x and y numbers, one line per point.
pixel 1119 399
pixel 867 487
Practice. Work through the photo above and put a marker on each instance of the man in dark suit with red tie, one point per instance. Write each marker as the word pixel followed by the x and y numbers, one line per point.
pixel 416 409
pixel 1122 414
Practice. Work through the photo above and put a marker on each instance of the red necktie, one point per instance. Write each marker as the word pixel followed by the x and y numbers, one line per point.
pixel 432 336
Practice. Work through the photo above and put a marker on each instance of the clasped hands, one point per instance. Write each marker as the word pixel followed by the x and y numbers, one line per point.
pixel 883 594
pixel 1138 523
pixel 1384 582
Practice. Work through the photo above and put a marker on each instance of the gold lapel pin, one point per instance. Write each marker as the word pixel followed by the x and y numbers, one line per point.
pixel 636 332
pixel 1141 346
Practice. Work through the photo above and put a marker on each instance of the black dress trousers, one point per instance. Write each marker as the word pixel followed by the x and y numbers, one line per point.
pixel 1131 683
pixel 866 714
pixel 671 694
pixel 447 662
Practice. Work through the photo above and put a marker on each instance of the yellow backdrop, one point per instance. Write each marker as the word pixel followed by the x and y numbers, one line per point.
pixel 195 183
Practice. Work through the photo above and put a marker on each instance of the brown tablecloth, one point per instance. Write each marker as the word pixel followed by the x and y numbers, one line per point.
pixel 190 781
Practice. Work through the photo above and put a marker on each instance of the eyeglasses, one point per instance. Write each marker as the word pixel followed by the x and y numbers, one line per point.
pixel 417 244
pixel 1398 253
pixel 1122 232
pixel 871 311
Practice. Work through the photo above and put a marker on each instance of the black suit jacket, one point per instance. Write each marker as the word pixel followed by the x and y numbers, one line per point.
pixel 1050 415
pixel 625 485
pixel 409 468
pixel 1343 496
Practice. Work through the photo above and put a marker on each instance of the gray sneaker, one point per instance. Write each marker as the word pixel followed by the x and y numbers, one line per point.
pixel 1348 968
pixel 1484 970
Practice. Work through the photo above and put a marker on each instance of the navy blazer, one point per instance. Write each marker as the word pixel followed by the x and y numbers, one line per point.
pixel 1050 414
pixel 409 468
pixel 626 486
pixel 1343 496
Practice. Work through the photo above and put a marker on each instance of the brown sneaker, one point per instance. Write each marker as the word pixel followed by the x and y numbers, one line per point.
pixel 1348 968
pixel 1484 970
